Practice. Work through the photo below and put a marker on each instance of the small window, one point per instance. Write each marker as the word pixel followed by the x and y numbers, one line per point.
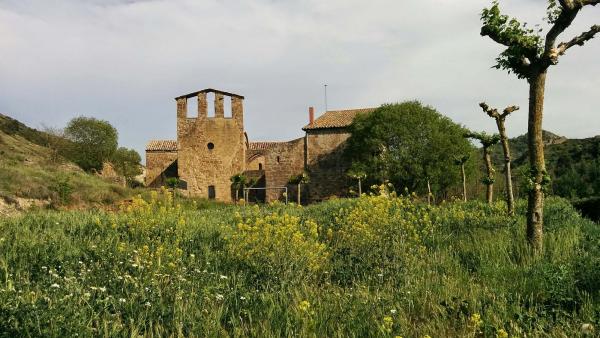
pixel 278 159
pixel 210 146
pixel 260 166
pixel 212 194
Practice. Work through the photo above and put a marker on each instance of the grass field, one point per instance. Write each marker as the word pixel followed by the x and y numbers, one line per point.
pixel 377 265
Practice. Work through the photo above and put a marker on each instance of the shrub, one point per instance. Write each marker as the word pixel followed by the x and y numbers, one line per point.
pixel 278 245
pixel 381 233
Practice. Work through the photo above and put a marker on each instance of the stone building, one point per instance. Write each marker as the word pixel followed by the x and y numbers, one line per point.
pixel 212 146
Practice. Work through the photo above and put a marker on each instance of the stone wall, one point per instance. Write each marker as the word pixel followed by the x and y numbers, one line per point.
pixel 326 164
pixel 210 149
pixel 157 162
pixel 284 160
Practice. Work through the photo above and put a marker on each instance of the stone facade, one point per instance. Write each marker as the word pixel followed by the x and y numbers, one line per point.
pixel 211 149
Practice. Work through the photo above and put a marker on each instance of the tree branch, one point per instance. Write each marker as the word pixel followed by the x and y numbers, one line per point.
pixel 578 40
pixel 491 112
pixel 509 110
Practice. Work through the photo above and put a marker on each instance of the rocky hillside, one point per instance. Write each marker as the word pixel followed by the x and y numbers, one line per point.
pixel 33 175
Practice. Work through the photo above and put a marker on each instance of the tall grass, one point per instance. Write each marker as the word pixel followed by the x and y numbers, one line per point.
pixel 376 266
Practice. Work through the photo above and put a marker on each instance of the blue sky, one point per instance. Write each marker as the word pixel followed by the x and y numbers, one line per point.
pixel 125 61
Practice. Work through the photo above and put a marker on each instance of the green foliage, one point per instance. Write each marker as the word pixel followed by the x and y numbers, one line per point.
pixel 127 163
pixel 484 138
pixel 94 142
pixel 407 144
pixel 303 178
pixel 172 182
pixel 372 266
pixel 523 45
pixel 63 188
pixel 277 245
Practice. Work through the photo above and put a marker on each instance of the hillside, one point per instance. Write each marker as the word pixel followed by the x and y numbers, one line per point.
pixel 573 164
pixel 32 175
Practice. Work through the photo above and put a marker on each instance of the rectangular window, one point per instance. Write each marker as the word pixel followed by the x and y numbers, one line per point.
pixel 210 104
pixel 192 107
pixel 212 194
pixel 227 111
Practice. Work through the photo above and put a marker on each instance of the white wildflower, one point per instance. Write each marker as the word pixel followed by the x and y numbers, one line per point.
pixel 56 286
pixel 122 300
pixel 219 297
pixel 223 277
pixel 147 304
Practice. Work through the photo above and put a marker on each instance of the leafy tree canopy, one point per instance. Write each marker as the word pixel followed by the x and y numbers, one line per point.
pixel 127 163
pixel 407 144
pixel 94 141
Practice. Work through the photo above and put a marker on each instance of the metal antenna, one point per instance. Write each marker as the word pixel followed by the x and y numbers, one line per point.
pixel 325 98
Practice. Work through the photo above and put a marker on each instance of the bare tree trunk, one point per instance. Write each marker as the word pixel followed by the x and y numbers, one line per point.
pixel 299 194
pixel 428 192
pixel 489 193
pixel 510 199
pixel 359 187
pixel 237 192
pixel 464 178
pixel 535 205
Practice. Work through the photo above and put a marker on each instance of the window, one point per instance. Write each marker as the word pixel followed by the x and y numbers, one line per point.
pixel 210 104
pixel 260 166
pixel 212 194
pixel 210 146
pixel 227 109
pixel 278 159
pixel 192 107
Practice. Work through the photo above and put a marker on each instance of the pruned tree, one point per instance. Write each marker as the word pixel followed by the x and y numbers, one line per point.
pixel 529 56
pixel 460 161
pixel 500 119
pixel 487 141
pixel 298 180
pixel 238 181
pixel 358 173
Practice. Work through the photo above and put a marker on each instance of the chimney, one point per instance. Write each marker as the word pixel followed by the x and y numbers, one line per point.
pixel 311 115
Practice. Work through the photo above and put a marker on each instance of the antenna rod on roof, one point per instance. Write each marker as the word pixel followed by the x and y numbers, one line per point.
pixel 325 98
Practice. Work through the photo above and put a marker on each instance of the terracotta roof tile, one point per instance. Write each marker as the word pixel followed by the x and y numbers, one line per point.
pixel 336 118
pixel 262 145
pixel 162 145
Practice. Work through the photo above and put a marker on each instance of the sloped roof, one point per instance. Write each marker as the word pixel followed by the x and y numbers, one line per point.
pixel 336 118
pixel 262 145
pixel 162 145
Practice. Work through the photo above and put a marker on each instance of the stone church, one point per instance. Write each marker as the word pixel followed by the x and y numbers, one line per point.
pixel 212 146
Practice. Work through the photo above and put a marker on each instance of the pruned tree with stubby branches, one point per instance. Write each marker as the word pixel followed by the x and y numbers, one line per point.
pixel 460 161
pixel 529 55
pixel 487 141
pixel 298 180
pixel 500 118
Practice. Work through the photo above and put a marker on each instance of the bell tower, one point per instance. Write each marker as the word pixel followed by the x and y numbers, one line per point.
pixel 210 145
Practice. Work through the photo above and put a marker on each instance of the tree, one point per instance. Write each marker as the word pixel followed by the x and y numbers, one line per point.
pixel 359 174
pixel 487 141
pixel 127 163
pixel 460 161
pixel 500 119
pixel 238 181
pixel 407 144
pixel 94 142
pixel 529 56
pixel 298 180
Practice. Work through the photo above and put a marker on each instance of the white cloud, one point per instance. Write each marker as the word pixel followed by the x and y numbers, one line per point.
pixel 124 61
